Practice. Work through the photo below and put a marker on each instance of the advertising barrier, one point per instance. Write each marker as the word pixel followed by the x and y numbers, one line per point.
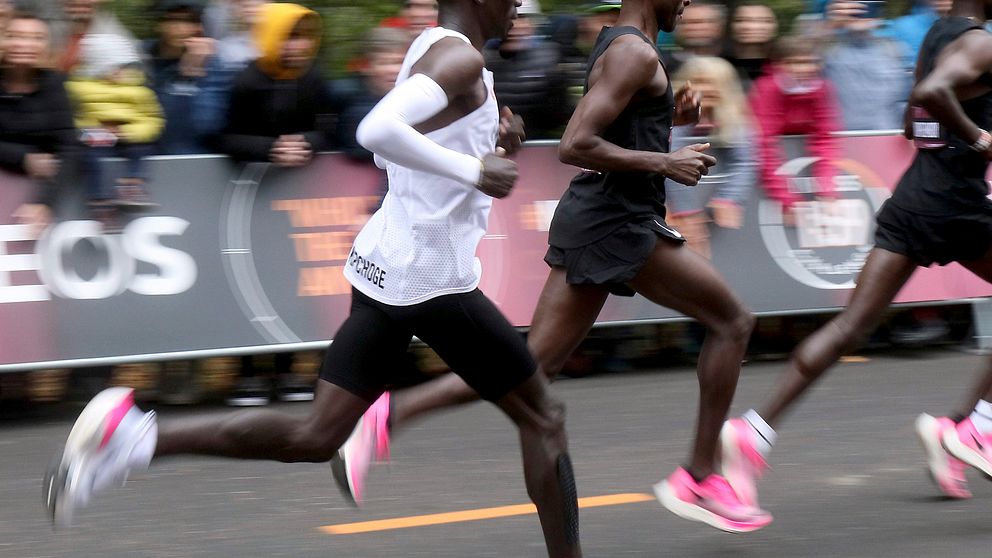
pixel 248 258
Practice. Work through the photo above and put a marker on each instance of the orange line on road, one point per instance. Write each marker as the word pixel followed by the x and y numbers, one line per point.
pixel 472 515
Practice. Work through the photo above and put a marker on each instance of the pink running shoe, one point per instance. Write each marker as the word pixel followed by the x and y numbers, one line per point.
pixel 98 452
pixel 946 470
pixel 368 442
pixel 969 445
pixel 740 461
pixel 712 501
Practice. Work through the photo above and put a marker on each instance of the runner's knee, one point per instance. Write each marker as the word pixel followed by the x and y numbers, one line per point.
pixel 551 418
pixel 737 327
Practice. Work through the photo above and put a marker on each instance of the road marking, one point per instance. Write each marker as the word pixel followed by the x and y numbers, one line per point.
pixel 854 359
pixel 473 515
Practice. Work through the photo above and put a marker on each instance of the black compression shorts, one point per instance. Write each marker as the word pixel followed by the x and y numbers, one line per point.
pixel 466 330
pixel 929 239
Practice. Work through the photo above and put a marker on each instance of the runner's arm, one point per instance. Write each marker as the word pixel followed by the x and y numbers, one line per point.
pixel 937 93
pixel 628 66
pixel 388 130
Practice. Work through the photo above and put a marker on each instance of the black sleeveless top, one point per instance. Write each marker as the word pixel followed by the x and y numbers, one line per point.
pixel 945 181
pixel 596 204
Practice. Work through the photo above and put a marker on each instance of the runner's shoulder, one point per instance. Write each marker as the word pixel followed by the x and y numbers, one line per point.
pixel 453 57
pixel 631 61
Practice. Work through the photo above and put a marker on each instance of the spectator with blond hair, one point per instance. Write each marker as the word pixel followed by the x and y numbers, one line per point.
pixel 725 122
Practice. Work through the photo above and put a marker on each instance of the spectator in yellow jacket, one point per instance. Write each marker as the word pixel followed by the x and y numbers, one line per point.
pixel 118 116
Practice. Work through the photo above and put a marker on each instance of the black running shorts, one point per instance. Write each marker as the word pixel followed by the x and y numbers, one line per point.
pixel 466 330
pixel 929 239
pixel 614 260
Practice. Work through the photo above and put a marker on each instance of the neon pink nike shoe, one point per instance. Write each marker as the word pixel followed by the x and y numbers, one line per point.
pixel 368 442
pixel 946 470
pixel 711 501
pixel 969 445
pixel 97 453
pixel 740 461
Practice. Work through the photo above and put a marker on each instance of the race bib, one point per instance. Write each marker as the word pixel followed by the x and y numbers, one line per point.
pixel 927 131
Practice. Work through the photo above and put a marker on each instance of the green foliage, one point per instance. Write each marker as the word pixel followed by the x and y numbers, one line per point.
pixel 346 21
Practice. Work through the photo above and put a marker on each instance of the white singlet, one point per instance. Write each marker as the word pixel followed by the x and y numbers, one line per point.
pixel 421 243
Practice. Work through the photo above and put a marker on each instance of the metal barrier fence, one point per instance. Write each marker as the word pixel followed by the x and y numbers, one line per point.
pixel 242 259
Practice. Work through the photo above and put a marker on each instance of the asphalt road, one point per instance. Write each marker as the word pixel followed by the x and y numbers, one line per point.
pixel 847 480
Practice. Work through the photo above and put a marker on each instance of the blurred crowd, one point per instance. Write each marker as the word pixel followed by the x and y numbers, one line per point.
pixel 238 77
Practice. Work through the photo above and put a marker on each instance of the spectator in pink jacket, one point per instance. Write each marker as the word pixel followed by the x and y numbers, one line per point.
pixel 793 98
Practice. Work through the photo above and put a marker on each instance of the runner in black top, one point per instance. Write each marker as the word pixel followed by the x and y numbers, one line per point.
pixel 609 235
pixel 939 213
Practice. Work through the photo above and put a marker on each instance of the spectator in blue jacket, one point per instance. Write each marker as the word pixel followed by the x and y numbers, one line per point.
pixel 867 71
pixel 910 29
pixel 187 78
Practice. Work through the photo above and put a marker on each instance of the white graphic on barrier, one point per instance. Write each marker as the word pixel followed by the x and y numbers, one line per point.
pixel 827 244
pixel 113 259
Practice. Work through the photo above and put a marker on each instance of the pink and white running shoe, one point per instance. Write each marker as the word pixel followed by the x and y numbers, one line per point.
pixel 98 452
pixel 969 445
pixel 740 461
pixel 946 470
pixel 368 442
pixel 711 501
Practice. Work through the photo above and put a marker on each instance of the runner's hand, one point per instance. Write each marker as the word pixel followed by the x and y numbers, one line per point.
pixel 498 175
pixel 688 165
pixel 511 131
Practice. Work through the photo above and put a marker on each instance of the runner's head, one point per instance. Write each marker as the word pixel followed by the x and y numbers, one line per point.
pixel 494 17
pixel 669 12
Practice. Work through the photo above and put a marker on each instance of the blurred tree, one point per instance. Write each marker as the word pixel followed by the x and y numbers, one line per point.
pixel 345 21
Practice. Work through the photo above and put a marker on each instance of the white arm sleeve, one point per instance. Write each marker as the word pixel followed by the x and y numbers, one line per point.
pixel 388 132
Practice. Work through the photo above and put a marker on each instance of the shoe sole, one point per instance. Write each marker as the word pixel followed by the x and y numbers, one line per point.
pixel 85 436
pixel 937 464
pixel 54 481
pixel 339 471
pixel 666 495
pixel 732 468
pixel 971 457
